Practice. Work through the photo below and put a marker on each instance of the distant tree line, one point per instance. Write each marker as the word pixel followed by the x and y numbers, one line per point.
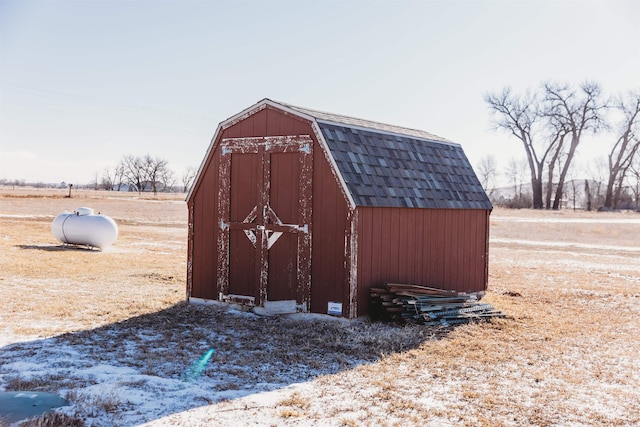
pixel 36 184
pixel 132 173
pixel 550 123
pixel 144 174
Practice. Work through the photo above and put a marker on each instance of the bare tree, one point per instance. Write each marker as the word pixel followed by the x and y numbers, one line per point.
pixel 167 179
pixel 109 178
pixel 118 177
pixel 625 148
pixel 95 182
pixel 145 172
pixel 188 176
pixel 573 190
pixel 154 170
pixel 558 134
pixel 488 171
pixel 519 115
pixel 574 113
pixel 133 172
pixel 516 173
pixel 597 171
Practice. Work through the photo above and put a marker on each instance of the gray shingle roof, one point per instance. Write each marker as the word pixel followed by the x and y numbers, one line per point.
pixel 384 169
pixel 368 124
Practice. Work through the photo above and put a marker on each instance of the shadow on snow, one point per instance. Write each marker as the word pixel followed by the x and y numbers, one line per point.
pixel 132 371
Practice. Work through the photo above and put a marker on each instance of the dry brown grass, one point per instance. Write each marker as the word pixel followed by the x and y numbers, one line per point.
pixel 53 419
pixel 567 354
pixel 41 280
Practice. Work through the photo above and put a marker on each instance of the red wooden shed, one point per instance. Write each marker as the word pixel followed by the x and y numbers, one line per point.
pixel 297 209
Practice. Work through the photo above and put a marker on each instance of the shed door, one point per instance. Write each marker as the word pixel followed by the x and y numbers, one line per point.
pixel 265 211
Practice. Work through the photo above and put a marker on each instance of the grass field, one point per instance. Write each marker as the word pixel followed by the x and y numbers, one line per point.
pixel 110 331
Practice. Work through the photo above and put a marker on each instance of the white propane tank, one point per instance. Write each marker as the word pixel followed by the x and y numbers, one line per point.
pixel 83 227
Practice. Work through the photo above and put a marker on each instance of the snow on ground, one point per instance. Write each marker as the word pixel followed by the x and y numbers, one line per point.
pixel 269 371
pixel 134 372
pixel 605 248
pixel 551 220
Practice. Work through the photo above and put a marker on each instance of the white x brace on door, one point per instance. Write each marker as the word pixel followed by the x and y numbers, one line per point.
pixel 264 212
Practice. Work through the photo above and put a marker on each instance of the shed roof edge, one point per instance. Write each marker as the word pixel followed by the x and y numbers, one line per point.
pixel 333 164
pixel 388 132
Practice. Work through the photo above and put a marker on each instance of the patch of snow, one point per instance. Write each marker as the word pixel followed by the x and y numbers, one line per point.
pixel 565 245
pixel 550 220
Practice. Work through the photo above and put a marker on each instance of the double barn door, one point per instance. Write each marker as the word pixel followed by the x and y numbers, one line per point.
pixel 265 210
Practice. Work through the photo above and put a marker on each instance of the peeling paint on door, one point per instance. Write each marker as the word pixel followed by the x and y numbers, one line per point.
pixel 262 225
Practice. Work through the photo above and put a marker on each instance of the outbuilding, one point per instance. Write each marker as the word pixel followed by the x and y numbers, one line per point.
pixel 296 209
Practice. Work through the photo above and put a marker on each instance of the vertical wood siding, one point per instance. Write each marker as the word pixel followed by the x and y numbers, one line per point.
pixel 204 235
pixel 328 262
pixel 242 267
pixel 329 222
pixel 442 248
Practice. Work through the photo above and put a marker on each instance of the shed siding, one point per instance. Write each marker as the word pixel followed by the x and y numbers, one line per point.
pixel 353 248
pixel 329 225
pixel 443 248
pixel 330 228
pixel 205 235
pixel 268 122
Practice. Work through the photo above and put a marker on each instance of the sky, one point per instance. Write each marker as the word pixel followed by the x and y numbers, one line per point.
pixel 84 83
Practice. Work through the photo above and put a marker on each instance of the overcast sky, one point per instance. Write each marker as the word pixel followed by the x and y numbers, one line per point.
pixel 83 83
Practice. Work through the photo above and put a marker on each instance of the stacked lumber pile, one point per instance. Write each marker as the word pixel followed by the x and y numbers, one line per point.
pixel 427 306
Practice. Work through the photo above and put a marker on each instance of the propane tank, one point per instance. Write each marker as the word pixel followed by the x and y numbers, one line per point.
pixel 83 227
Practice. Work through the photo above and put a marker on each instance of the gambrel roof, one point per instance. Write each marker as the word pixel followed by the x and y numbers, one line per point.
pixel 384 165
pixel 390 166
